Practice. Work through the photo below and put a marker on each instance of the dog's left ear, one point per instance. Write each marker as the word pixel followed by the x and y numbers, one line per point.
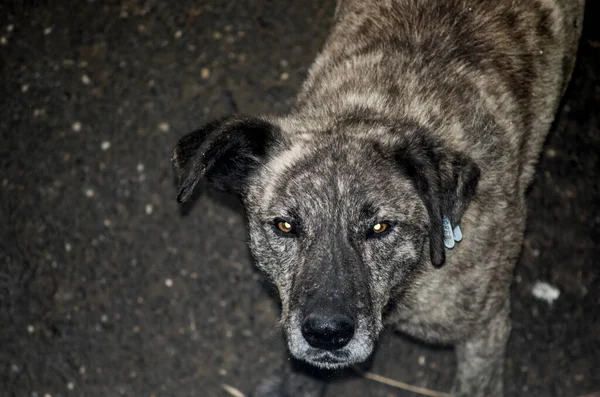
pixel 445 179
pixel 224 151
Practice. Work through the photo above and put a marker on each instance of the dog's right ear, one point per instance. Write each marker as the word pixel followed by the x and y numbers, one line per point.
pixel 225 151
pixel 445 179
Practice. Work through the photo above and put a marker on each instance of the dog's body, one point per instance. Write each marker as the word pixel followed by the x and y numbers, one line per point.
pixel 415 111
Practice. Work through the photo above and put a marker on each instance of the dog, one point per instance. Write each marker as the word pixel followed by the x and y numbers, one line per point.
pixel 393 192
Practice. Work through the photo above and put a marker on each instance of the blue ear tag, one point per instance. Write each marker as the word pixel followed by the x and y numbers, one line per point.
pixel 448 235
pixel 451 236
pixel 457 233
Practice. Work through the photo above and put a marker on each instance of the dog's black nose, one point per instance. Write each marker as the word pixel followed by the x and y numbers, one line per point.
pixel 328 331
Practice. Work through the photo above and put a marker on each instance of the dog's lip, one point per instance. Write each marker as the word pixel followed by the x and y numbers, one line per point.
pixel 328 357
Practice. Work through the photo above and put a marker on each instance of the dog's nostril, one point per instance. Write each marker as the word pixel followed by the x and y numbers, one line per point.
pixel 329 332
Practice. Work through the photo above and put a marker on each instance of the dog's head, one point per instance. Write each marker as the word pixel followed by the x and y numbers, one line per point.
pixel 341 219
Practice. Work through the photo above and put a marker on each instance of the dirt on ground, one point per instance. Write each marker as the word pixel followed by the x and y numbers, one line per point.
pixel 109 288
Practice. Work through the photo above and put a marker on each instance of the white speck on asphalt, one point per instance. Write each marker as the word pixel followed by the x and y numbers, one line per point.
pixel 164 127
pixel 140 167
pixel 169 282
pixel 82 370
pixel 85 79
pixel 284 76
pixel 545 292
pixel 76 126
pixel 178 34
pixel 48 30
pixel 103 318
pixel 68 247
pixel 10 28
pixel 89 193
pixel 24 88
pixel 70 385
pixel 421 360
pixel 3 40
pixel 105 145
pixel 30 328
pixel 149 209
pixel 107 223
pixel 205 73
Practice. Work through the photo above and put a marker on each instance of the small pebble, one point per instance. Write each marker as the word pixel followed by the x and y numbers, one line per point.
pixel 48 30
pixel 68 247
pixel 89 193
pixel 164 127
pixel 76 126
pixel 82 370
pixel 284 76
pixel 107 223
pixel 24 88
pixel 205 73
pixel 3 40
pixel 149 209
pixel 140 167
pixel 103 318
pixel 85 79
pixel 545 292
pixel 30 329
pixel 169 282
pixel 178 34
pixel 47 395
pixel 70 385
pixel 217 36
pixel 10 28
pixel 105 145
pixel 421 360
pixel 136 329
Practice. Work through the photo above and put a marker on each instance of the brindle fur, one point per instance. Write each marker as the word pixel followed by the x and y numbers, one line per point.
pixel 414 109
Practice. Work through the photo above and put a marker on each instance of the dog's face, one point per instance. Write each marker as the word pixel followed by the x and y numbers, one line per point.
pixel 341 222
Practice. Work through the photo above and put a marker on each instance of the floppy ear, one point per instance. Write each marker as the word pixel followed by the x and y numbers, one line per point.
pixel 445 179
pixel 224 151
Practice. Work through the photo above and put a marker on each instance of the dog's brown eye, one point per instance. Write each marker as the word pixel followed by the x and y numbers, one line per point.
pixel 380 227
pixel 284 226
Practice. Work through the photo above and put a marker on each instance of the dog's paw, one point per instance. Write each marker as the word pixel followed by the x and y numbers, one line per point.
pixel 269 387
pixel 290 386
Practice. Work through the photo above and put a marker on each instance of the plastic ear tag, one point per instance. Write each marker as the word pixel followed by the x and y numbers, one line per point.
pixel 448 235
pixel 451 236
pixel 457 233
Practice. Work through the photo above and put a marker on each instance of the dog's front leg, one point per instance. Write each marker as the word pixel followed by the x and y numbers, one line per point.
pixel 481 360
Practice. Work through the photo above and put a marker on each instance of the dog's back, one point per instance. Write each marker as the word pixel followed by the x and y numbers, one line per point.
pixel 460 68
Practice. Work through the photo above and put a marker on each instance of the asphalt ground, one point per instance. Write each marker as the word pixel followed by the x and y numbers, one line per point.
pixel 109 288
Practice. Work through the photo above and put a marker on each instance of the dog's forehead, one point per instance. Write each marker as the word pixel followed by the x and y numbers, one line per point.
pixel 331 176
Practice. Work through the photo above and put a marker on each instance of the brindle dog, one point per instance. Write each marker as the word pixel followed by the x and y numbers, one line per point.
pixel 420 122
